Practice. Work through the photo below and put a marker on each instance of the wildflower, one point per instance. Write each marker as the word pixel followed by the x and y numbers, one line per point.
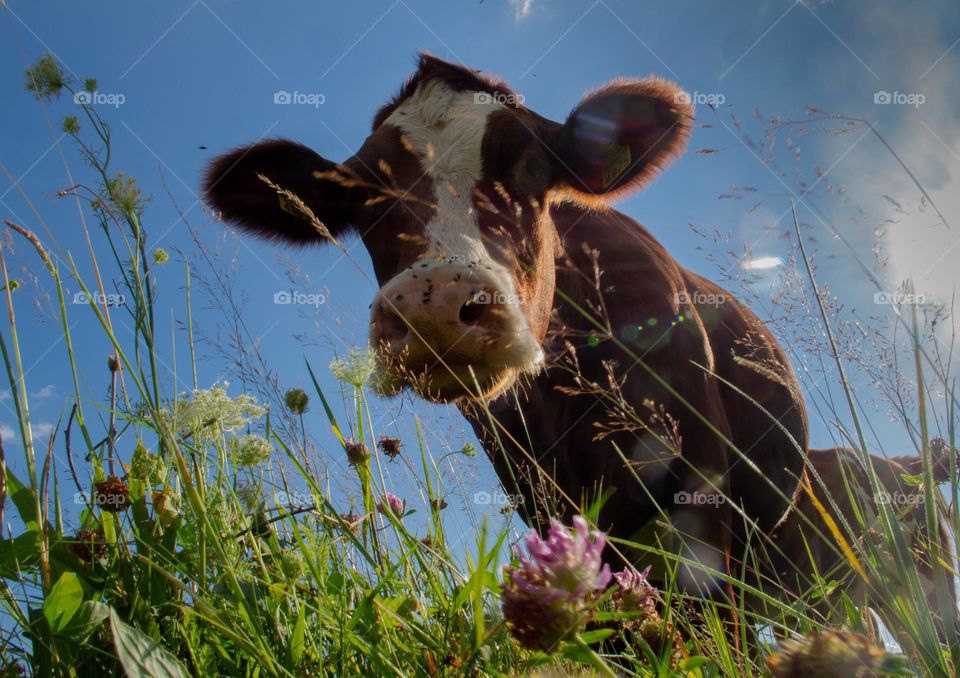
pixel 391 503
pixel 70 125
pixel 125 194
pixel 547 598
pixel 297 400
pixel 45 78
pixel 357 452
pixel 111 495
pixel 634 592
pixel 251 449
pixel 160 256
pixel 166 506
pixel 389 446
pixel 468 450
pixel 829 653
pixel 212 411
pixel 356 368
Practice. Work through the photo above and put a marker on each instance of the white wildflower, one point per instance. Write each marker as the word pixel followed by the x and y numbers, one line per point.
pixel 356 368
pixel 251 449
pixel 211 411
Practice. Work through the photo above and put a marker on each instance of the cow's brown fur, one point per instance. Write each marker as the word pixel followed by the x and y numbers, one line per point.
pixel 648 391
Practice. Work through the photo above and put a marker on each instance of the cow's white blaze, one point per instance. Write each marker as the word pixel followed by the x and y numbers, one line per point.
pixel 447 127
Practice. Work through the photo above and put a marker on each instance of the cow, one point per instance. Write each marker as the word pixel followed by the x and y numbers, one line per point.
pixel 838 505
pixel 595 370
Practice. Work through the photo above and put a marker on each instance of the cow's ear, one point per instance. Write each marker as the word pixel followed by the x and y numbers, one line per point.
pixel 620 136
pixel 234 185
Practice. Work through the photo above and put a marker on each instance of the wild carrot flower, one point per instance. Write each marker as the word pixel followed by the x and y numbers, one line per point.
pixel 391 503
pixel 212 411
pixel 356 368
pixel 547 599
pixel 252 449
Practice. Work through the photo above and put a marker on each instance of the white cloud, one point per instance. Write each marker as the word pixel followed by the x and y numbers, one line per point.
pixel 521 9
pixel 41 431
pixel 44 392
pixel 7 433
pixel 913 240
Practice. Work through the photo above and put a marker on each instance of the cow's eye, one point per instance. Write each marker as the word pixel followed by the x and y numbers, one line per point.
pixel 535 167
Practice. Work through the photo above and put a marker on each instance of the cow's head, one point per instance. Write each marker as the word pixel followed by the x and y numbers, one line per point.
pixel 451 196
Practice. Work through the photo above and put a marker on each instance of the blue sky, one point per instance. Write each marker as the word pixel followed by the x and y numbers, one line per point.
pixel 204 74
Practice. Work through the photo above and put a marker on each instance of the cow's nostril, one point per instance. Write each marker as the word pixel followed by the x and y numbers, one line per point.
pixel 392 327
pixel 472 311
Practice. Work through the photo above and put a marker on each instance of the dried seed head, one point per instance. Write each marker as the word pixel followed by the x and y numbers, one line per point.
pixel 111 495
pixel 389 446
pixel 297 400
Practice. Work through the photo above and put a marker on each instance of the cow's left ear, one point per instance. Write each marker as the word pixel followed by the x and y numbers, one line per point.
pixel 619 137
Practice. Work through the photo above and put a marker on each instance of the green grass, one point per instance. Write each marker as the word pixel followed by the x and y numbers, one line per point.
pixel 187 560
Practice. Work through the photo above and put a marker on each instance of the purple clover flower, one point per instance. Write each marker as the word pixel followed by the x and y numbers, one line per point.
pixel 634 592
pixel 547 599
pixel 391 503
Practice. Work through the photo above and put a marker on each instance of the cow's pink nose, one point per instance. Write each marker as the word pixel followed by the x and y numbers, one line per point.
pixel 452 310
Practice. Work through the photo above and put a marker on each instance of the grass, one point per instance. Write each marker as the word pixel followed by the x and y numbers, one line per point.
pixel 214 547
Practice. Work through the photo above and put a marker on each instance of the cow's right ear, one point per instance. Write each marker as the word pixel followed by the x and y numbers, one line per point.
pixel 233 185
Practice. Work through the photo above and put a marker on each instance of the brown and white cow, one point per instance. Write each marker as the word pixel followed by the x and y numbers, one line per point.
pixel 508 286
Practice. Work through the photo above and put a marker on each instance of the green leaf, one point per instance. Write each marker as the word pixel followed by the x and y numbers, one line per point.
pixel 694 663
pixel 20 554
pixel 595 636
pixel 24 499
pixel 296 638
pixel 63 601
pixel 88 617
pixel 140 655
